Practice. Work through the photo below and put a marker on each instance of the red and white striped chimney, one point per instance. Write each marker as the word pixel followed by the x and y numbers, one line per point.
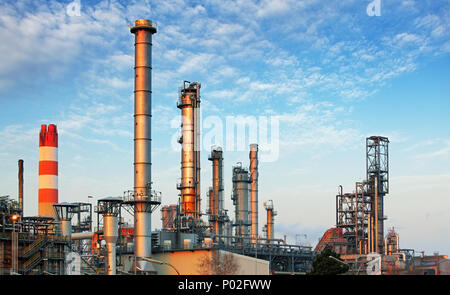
pixel 48 170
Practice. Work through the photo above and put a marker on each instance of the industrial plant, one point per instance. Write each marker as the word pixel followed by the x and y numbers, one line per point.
pixel 62 238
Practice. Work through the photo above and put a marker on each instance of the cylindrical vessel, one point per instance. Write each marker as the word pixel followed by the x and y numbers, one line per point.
pixel 254 190
pixel 66 228
pixel 171 215
pixel 20 163
pixel 110 232
pixel 270 220
pixel 165 217
pixel 143 31
pixel 269 223
pixel 189 103
pixel 241 180
pixel 48 170
pixel 216 193
pixel 188 173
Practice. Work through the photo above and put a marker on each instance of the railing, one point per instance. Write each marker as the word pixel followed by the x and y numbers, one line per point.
pixel 33 246
pixel 30 263
pixel 144 23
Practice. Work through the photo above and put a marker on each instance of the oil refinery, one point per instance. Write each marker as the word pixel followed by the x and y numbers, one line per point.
pixel 62 238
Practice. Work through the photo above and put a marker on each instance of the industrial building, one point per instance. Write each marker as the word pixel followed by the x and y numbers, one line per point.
pixel 62 240
pixel 359 235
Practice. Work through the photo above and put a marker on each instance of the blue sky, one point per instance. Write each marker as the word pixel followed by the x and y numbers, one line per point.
pixel 330 73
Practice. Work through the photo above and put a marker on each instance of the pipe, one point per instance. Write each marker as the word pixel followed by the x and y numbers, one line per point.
pixel 20 163
pixel 376 230
pixel 369 232
pixel 82 236
pixel 259 239
pixel 143 31
pixel 253 155
pixel 48 170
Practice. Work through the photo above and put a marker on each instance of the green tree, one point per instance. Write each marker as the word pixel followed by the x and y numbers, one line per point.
pixel 324 265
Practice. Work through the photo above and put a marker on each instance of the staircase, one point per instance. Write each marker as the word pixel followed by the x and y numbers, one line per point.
pixel 32 262
pixel 33 247
pixel 31 255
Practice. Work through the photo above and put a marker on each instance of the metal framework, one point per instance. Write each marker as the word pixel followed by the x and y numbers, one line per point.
pixel 377 166
pixel 360 214
pixel 352 215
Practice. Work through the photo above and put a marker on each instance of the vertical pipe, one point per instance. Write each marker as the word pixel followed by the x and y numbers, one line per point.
pixel 369 232
pixel 253 155
pixel 143 31
pixel 48 170
pixel 376 249
pixel 197 151
pixel 20 163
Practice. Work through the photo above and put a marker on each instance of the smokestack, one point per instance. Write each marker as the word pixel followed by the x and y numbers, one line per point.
pixel 143 31
pixel 21 187
pixel 253 155
pixel 48 170
pixel 189 103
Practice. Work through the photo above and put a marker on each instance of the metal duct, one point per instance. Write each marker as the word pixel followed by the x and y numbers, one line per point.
pixel 253 155
pixel 143 31
pixel 189 103
pixel 82 236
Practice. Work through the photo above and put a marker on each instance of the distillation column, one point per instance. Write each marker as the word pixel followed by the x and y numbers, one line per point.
pixel 189 103
pixel 216 193
pixel 253 155
pixel 241 180
pixel 143 31
pixel 48 170
pixel 270 220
